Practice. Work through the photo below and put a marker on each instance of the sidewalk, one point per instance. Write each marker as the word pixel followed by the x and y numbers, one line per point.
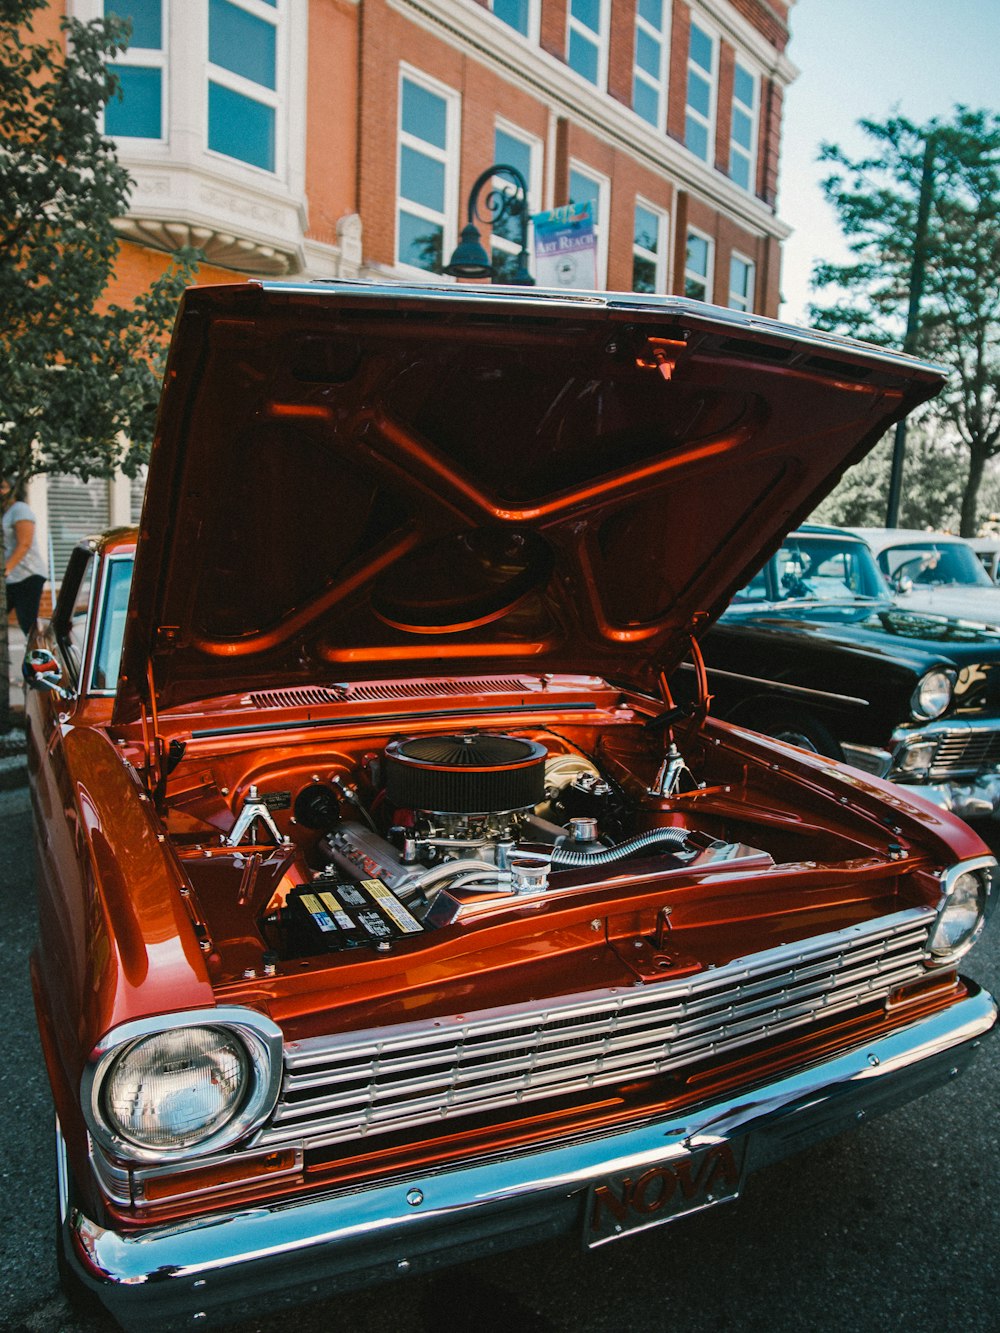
pixel 13 763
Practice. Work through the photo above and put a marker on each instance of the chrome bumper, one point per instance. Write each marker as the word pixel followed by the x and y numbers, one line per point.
pixel 977 799
pixel 242 1264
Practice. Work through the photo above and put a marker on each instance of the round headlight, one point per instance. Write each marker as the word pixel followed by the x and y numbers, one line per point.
pixel 176 1088
pixel 932 695
pixel 963 911
pixel 160 1093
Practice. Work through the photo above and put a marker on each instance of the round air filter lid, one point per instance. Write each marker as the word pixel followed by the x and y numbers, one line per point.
pixel 470 773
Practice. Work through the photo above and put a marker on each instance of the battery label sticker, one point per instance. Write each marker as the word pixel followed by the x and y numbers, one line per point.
pixel 350 896
pixel 392 907
pixel 318 912
pixel 374 924
pixel 336 911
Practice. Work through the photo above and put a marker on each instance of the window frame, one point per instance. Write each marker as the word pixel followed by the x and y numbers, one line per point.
pixel 746 301
pixel 709 123
pixel 603 218
pixel 600 39
pixel 753 111
pixel 533 34
pixel 533 181
pixel 660 256
pixel 661 86
pixel 448 156
pixel 275 99
pixel 709 277
pixel 146 57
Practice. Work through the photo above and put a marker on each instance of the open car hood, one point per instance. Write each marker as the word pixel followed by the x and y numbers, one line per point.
pixel 356 481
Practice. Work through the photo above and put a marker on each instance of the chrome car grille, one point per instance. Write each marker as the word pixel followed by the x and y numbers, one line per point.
pixel 395 1078
pixel 961 752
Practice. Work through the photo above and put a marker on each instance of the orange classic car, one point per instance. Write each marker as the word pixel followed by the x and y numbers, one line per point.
pixel 392 909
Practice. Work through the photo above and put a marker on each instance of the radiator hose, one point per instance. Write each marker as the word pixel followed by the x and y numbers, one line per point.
pixel 665 837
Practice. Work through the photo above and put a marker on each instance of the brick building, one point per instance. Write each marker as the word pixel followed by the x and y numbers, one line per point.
pixel 339 138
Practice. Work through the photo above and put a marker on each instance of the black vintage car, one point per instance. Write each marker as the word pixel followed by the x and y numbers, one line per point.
pixel 815 651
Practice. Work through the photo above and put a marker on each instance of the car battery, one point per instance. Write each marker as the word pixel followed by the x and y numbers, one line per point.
pixel 331 914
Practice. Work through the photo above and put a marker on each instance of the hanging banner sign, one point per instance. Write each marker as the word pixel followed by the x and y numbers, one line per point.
pixel 566 247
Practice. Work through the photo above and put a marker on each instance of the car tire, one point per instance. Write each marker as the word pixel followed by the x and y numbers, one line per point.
pixel 801 729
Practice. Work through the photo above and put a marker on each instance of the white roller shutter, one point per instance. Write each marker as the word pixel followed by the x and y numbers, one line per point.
pixel 77 509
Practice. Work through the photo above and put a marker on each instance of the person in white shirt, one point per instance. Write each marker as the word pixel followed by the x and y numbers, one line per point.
pixel 23 564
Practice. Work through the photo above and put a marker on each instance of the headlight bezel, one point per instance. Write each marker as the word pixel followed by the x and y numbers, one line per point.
pixel 262 1044
pixel 930 713
pixel 983 868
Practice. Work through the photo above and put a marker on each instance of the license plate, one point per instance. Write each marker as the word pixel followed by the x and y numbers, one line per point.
pixel 649 1196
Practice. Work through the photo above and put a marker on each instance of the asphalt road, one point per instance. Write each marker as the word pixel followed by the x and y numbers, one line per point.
pixel 894 1226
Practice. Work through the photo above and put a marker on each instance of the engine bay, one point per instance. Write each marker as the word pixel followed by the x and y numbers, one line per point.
pixel 359 846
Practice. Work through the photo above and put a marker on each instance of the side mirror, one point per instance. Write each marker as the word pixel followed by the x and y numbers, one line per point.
pixel 41 671
pixel 902 584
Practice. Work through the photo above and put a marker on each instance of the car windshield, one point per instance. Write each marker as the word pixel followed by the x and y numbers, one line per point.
pixel 817 568
pixel 930 563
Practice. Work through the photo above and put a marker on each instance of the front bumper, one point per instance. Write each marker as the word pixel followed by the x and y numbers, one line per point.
pixel 957 765
pixel 244 1263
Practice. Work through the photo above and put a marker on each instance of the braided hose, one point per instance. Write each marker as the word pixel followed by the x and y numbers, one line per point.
pixel 669 837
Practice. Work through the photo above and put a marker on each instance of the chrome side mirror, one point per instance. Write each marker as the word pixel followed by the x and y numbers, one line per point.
pixel 42 672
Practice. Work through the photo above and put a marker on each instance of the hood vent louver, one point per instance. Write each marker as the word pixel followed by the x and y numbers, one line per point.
pixel 309 696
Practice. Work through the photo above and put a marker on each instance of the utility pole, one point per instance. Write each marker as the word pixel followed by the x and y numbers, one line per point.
pixel 917 269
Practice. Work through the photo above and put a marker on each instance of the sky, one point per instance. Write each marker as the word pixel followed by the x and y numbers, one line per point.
pixel 870 58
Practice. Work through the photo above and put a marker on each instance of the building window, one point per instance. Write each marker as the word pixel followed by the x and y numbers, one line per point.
pixel 586 185
pixel 649 250
pixel 741 282
pixel 514 148
pixel 139 114
pixel 428 137
pixel 587 51
pixel 243 80
pixel 699 121
pixel 743 135
pixel 649 77
pixel 698 267
pixel 521 15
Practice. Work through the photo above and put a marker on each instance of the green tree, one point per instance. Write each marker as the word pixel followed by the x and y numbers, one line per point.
pixel 79 377
pixel 931 499
pixel 876 199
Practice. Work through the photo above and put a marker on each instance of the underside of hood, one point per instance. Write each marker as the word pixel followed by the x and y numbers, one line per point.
pixel 352 481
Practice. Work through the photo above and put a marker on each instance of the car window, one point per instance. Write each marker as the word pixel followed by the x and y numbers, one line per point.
pixel 928 564
pixel 69 615
pixel 756 589
pixel 111 630
pixel 826 569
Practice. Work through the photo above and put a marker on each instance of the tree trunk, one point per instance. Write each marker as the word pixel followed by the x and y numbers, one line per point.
pixel 4 659
pixel 970 497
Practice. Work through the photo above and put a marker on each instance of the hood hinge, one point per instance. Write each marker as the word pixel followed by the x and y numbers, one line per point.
pixel 152 741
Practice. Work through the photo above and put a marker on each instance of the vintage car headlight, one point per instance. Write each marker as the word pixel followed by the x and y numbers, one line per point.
pixel 161 1090
pixel 967 901
pixel 933 695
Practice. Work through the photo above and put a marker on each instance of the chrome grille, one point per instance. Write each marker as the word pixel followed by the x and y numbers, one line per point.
pixel 965 752
pixel 387 1079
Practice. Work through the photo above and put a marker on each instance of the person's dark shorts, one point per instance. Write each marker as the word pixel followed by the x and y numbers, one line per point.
pixel 24 597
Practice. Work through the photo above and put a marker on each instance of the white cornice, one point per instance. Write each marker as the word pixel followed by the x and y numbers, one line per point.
pixel 237 224
pixel 744 35
pixel 474 31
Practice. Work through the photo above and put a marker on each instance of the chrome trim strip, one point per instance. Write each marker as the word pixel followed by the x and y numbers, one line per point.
pixel 224 1260
pixel 786 689
pixel 958 727
pixel 356 1085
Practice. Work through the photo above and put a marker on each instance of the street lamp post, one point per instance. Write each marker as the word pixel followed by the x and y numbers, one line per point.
pixel 509 200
